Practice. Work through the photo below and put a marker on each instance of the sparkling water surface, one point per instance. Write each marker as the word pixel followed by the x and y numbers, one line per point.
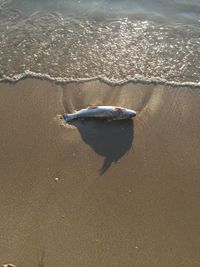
pixel 116 40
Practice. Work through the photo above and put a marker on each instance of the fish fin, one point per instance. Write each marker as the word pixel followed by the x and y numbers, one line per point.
pixel 69 117
pixel 118 108
pixel 92 107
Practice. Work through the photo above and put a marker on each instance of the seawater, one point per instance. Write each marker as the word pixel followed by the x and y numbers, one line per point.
pixel 115 41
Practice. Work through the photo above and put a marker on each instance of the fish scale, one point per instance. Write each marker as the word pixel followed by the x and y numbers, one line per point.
pixel 107 112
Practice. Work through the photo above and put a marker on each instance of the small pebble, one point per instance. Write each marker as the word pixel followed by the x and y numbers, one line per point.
pixel 56 179
pixel 8 265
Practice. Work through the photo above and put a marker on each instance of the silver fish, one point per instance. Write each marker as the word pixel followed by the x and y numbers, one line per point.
pixel 107 112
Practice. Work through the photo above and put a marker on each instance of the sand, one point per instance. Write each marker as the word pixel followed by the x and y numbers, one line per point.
pixel 96 193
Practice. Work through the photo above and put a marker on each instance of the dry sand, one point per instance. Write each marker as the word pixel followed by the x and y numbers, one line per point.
pixel 96 193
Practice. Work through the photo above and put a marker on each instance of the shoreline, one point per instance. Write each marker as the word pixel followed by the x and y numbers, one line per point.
pixel 133 80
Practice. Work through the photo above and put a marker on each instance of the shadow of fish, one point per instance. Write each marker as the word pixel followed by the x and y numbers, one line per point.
pixel 109 140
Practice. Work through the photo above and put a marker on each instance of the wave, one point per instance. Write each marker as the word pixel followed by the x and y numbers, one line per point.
pixel 88 48
pixel 115 50
pixel 137 79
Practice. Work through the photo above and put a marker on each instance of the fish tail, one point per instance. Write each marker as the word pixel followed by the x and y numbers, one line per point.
pixel 69 117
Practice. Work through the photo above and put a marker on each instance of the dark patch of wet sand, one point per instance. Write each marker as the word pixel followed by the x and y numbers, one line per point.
pixel 142 210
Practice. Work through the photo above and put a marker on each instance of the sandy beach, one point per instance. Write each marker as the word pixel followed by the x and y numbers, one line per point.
pixel 93 193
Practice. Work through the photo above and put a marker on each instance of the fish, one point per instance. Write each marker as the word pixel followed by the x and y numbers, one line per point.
pixel 104 112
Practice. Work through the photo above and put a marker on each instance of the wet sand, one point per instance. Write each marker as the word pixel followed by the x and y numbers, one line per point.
pixel 95 193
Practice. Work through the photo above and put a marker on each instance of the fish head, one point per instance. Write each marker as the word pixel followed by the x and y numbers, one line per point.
pixel 130 113
pixel 124 113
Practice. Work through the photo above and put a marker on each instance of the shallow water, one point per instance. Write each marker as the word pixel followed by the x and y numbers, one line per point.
pixel 114 40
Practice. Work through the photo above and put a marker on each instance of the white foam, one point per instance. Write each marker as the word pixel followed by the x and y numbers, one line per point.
pixel 114 82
